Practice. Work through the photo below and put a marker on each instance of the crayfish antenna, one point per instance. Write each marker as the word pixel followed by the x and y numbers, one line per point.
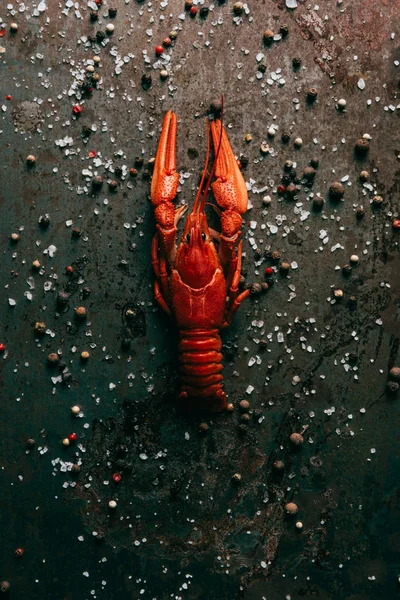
pixel 203 176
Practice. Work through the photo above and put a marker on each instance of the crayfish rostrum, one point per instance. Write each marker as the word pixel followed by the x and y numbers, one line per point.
pixel 197 282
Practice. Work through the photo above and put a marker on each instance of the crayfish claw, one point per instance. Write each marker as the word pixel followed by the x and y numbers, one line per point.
pixel 164 183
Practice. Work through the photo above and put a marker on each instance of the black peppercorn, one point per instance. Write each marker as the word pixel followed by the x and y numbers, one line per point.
pixel 139 161
pixel 255 289
pixel 258 253
pixel 361 147
pixel 112 12
pixel 285 180
pixel 263 343
pixel 86 131
pixel 318 202
pixel 97 181
pixel 92 39
pixel 284 267
pixel 262 68
pixel 113 185
pixel 291 190
pixel 93 15
pixel 76 232
pixel 244 161
pixel 392 387
pixel 296 62
pixel 86 291
pixel 62 297
pixel 264 286
pixel 312 95
pixel 336 190
pixel 285 137
pixel 146 81
pixel 204 10
pixel 346 269
pixel 118 171
pixel 146 174
pixel 216 107
pixel 284 30
pixel 100 36
pixel 309 173
pixel 360 212
pixel 5 587
pixel 314 162
pixel 30 443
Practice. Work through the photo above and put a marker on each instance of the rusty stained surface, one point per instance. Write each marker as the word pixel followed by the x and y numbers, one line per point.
pixel 182 528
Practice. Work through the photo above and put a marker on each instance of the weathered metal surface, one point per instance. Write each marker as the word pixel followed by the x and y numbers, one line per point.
pixel 182 528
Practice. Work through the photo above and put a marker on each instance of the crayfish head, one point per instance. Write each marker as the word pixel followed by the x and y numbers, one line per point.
pixel 196 258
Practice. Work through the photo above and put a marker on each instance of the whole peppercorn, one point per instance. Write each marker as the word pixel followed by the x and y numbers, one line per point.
pixel 377 201
pixel 314 162
pixel 396 224
pixel 5 587
pixel 261 67
pixel 14 237
pixel 159 50
pixel 346 269
pixel 75 410
pixel 112 12
pixel 243 162
pixel 95 77
pixel 14 27
pixel 100 36
pixel 19 552
pixel 296 439
pixel 139 161
pixel 361 147
pixel 188 4
pixel 146 174
pixel 75 469
pixel 244 405
pixel 281 189
pixel 2 348
pixel 85 355
pixel 312 95
pixel 76 232
pixel 318 202
pixel 291 190
pixel 263 343
pixel 338 294
pixel 395 373
pixel 275 255
pixel 309 173
pixel 291 508
pixel 31 160
pixel 288 165
pixel 278 465
pixel 72 437
pixel 146 81
pixel 173 34
pixel 284 267
pixel 298 142
pixel 258 253
pixel 237 478
pixel 352 302
pixel 336 190
pixel 80 312
pixel 118 171
pixel 112 504
pixel 94 16
pixel 238 8
pixel 269 271
pixel 247 285
pixel 30 443
pixel 230 407
pixel 360 212
pixel 268 36
pixel 113 185
pixel 285 180
pixel 299 525
pixel 40 327
pixel 255 289
pixel 36 265
pixel 193 11
pixel 341 105
pixel 354 259
pixel 264 288
pixel 392 387
pixel 242 429
pixel 86 131
pixel 204 10
pixel 203 427
pixel 62 298
pixel 97 181
pixel 285 137
pixel 245 418
pixel 284 30
pixel 133 172
pixel 53 358
pixel 167 42
pixel 216 107
pixel 116 477
pixel 364 176
pixel 296 62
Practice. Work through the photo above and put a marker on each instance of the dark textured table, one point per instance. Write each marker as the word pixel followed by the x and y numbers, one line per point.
pixel 302 354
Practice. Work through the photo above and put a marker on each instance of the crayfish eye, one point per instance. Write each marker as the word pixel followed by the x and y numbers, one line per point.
pixel 188 237
pixel 203 237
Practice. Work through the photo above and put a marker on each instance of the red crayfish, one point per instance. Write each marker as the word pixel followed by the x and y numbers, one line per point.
pixel 197 283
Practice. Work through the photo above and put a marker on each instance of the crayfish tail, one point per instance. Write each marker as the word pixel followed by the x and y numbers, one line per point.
pixel 201 365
